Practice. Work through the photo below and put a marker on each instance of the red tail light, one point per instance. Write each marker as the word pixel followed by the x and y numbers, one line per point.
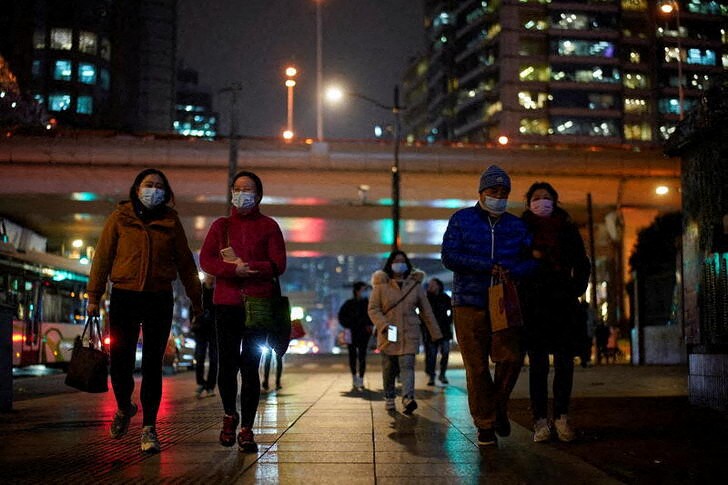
pixel 18 337
pixel 107 341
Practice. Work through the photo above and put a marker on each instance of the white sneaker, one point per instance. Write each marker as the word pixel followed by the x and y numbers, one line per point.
pixel 354 381
pixel 150 442
pixel 389 404
pixel 360 383
pixel 541 431
pixel 563 429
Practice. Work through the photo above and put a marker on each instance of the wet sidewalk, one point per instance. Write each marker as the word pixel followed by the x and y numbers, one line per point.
pixel 318 430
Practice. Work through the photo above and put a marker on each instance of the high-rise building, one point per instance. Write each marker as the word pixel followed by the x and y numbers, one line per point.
pixel 103 64
pixel 193 111
pixel 587 72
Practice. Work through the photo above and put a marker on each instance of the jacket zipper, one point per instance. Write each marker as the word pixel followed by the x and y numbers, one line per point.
pixel 492 244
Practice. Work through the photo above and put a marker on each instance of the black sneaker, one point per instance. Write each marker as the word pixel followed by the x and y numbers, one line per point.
pixel 444 380
pixel 502 424
pixel 431 381
pixel 227 433
pixel 120 423
pixel 409 405
pixel 486 437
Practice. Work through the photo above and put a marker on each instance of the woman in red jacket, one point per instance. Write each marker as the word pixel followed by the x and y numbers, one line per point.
pixel 246 254
pixel 141 250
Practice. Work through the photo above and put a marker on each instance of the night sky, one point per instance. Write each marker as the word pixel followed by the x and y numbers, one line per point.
pixel 367 45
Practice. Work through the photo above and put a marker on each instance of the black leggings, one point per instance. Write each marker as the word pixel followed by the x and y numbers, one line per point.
pixel 129 310
pixel 358 353
pixel 239 351
pixel 538 378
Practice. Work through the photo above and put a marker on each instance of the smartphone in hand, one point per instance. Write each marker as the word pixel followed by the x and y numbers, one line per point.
pixel 392 333
pixel 228 255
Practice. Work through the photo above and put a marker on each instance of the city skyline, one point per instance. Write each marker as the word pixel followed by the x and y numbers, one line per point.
pixel 365 49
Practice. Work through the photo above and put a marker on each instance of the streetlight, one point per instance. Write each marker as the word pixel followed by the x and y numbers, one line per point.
pixel 290 83
pixel 336 94
pixel 319 76
pixel 668 7
pixel 233 89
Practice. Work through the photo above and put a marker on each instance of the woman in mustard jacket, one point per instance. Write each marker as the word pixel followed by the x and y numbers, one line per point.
pixel 397 292
pixel 141 250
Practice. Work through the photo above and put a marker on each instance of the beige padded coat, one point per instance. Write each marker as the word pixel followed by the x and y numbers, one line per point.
pixel 386 292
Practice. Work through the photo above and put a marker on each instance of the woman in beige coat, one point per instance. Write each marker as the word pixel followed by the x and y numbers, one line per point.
pixel 397 292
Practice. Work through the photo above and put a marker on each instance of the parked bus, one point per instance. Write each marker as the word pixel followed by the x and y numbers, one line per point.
pixel 48 296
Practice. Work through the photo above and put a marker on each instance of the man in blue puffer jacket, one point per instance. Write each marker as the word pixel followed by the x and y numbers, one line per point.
pixel 480 241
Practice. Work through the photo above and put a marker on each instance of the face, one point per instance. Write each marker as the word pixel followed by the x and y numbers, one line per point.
pixel 540 194
pixel 497 192
pixel 433 287
pixel 151 180
pixel 244 184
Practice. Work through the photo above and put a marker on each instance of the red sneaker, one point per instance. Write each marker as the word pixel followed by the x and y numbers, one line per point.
pixel 227 434
pixel 246 441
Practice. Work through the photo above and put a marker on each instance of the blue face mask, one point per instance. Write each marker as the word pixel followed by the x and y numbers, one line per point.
pixel 399 267
pixel 243 200
pixel 151 197
pixel 495 206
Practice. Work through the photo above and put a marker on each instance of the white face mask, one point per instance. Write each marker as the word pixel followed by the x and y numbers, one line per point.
pixel 151 197
pixel 243 200
pixel 495 206
pixel 542 207
pixel 399 267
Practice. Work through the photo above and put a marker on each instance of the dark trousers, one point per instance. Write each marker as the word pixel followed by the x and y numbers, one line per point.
pixel 431 350
pixel 266 368
pixel 538 376
pixel 239 352
pixel 358 354
pixel 206 341
pixel 130 311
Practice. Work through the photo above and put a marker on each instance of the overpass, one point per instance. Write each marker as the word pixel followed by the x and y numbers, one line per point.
pixel 64 187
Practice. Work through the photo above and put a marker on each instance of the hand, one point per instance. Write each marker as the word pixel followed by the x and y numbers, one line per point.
pixel 92 309
pixel 243 270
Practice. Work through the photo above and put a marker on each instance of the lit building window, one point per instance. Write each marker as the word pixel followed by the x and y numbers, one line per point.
pixel 86 73
pixel 39 39
pixel 635 81
pixel 104 78
pixel 638 132
pixel 59 102
pixel 87 43
pixel 634 57
pixel 635 106
pixel 62 70
pixel 635 5
pixel 534 126
pixel 532 100
pixel 534 73
pixel 61 39
pixel 85 105
pixel 105 48
pixel 37 69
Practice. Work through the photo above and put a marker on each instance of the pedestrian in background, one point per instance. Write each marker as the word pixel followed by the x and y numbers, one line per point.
pixel 206 342
pixel 397 293
pixel 354 315
pixel 266 369
pixel 554 320
pixel 480 242
pixel 442 309
pixel 246 254
pixel 141 250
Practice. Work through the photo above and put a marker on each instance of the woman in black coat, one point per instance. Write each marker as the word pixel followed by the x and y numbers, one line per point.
pixel 551 307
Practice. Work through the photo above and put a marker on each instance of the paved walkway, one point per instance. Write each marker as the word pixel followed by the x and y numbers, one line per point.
pixel 314 430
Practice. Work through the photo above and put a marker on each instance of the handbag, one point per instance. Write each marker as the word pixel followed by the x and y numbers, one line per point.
pixel 272 316
pixel 88 370
pixel 504 305
pixel 297 330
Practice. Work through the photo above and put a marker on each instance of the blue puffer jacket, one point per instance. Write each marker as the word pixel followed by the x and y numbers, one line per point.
pixel 472 245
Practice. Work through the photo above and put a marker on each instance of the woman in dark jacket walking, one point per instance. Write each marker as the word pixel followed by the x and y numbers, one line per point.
pixel 442 309
pixel 551 307
pixel 353 315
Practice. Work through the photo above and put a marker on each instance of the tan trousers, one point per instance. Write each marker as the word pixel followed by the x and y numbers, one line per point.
pixel 487 394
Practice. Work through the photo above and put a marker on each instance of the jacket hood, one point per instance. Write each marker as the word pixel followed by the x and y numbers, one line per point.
pixel 380 277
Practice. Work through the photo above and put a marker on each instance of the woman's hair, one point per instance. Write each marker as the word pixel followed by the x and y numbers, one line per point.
pixel 256 180
pixel 388 264
pixel 358 286
pixel 541 185
pixel 168 194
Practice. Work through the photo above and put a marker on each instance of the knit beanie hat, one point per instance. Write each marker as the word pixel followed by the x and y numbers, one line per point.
pixel 494 176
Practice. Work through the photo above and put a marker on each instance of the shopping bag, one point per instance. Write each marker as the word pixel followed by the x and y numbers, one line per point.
pixel 88 369
pixel 504 305
pixel 297 330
